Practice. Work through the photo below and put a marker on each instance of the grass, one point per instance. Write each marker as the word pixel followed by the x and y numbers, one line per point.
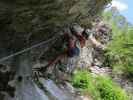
pixel 99 87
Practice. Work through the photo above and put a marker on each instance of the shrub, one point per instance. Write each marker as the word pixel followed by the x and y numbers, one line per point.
pixel 109 90
pixel 84 81
pixel 99 87
pixel 120 49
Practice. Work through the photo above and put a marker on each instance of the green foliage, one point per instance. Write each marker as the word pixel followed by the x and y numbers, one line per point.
pixel 83 80
pixel 121 47
pixel 109 90
pixel 99 87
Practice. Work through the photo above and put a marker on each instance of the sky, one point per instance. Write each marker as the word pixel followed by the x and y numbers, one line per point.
pixel 125 7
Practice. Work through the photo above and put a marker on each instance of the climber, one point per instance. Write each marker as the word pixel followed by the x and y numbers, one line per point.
pixel 76 39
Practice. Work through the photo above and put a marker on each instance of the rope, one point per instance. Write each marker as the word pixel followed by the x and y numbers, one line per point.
pixel 28 49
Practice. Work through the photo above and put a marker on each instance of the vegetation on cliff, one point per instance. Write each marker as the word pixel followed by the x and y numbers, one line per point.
pixel 98 87
pixel 120 48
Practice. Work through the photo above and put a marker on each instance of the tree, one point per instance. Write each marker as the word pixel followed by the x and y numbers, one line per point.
pixel 121 47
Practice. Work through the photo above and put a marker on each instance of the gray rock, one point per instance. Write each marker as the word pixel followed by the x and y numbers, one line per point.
pixel 55 91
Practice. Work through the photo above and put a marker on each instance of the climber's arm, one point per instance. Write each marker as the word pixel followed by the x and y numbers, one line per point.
pixel 96 43
pixel 57 58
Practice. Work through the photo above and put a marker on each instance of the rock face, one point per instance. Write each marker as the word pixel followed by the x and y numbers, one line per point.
pixel 124 83
pixel 24 23
pixel 28 22
pixel 86 56
pixel 26 89
pixel 55 91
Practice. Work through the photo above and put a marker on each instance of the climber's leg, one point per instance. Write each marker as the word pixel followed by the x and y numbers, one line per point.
pixel 57 59
pixel 70 52
pixel 43 69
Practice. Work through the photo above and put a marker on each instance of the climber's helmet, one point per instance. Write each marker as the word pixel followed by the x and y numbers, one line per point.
pixel 76 29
